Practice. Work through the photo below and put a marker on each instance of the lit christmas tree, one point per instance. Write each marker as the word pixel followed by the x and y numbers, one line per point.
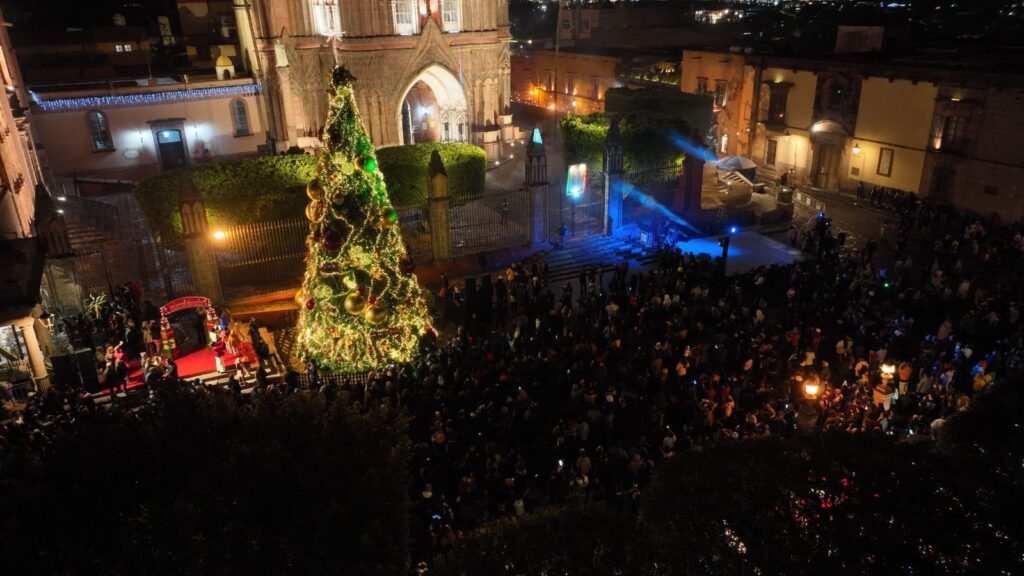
pixel 360 306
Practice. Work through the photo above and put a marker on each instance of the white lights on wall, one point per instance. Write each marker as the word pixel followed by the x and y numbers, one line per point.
pixel 90 102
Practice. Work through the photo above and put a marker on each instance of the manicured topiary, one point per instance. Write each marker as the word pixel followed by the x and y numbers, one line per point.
pixel 405 170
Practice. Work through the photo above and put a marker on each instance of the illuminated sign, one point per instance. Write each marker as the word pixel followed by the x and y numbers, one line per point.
pixel 576 183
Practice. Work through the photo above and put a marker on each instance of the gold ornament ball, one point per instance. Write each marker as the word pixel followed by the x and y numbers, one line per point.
pixel 355 303
pixel 314 210
pixel 375 314
pixel 315 189
pixel 300 298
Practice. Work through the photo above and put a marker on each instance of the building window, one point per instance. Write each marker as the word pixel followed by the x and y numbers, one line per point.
pixel 595 88
pixel 771 152
pixel 122 47
pixel 720 93
pixel 99 131
pixel 405 17
pixel 550 83
pixel 451 15
pixel 777 100
pixel 954 133
pixel 240 117
pixel 570 84
pixel 702 85
pixel 326 17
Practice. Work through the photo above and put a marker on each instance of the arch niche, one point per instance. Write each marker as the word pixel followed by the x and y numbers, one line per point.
pixel 828 139
pixel 433 108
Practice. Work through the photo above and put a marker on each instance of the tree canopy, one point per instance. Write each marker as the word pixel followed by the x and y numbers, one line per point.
pixel 210 485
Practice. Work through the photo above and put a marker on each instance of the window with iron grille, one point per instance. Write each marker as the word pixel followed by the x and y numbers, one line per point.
pixel 326 17
pixel 720 93
pixel 954 133
pixel 240 117
pixel 99 131
pixel 451 15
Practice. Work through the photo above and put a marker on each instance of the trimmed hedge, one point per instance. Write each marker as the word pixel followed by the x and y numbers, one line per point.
pixel 648 140
pixel 258 189
pixel 267 188
pixel 405 170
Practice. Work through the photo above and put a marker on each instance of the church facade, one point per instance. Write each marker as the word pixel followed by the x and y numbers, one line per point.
pixel 426 70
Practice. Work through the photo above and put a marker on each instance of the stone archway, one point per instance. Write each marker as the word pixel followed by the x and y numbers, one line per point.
pixel 433 108
pixel 827 143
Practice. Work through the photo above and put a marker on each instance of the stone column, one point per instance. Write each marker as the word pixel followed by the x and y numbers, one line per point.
pixel 35 353
pixel 691 179
pixel 536 183
pixel 613 180
pixel 437 197
pixel 201 257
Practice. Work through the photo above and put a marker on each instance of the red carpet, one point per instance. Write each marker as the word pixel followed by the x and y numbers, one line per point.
pixel 194 364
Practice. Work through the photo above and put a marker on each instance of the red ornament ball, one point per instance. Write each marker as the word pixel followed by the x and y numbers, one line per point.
pixel 332 239
pixel 310 304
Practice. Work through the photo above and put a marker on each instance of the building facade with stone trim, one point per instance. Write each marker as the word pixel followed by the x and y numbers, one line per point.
pixel 952 131
pixel 425 69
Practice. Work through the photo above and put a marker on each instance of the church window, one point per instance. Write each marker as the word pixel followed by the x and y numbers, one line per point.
pixel 240 117
pixel 451 15
pixel 405 17
pixel 99 131
pixel 326 17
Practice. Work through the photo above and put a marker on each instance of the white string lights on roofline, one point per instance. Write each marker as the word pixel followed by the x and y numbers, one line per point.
pixel 89 102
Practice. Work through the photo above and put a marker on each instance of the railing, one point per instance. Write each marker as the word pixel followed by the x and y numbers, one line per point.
pixel 262 257
pixel 90 213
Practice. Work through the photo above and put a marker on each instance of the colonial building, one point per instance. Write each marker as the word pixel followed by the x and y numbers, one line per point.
pixel 24 338
pixel 953 130
pixel 575 81
pixel 427 70
pixel 127 131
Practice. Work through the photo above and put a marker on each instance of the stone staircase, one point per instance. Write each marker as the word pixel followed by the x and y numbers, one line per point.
pixel 602 252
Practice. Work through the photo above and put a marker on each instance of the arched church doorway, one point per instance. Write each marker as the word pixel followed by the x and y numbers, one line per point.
pixel 434 108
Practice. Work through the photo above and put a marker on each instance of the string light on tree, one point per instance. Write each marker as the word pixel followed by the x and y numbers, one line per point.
pixel 360 307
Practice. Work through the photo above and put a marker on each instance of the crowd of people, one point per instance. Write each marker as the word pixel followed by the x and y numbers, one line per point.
pixel 538 394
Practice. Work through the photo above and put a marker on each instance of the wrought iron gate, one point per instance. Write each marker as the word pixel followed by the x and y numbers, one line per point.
pixel 582 214
pixel 491 221
pixel 260 258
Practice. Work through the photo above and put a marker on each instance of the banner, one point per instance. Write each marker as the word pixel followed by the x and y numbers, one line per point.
pixel 185 303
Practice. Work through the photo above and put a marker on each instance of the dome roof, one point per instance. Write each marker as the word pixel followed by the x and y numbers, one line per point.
pixel 223 60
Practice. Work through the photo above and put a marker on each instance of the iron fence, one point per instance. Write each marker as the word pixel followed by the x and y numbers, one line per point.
pixel 496 219
pixel 582 215
pixel 416 231
pixel 263 257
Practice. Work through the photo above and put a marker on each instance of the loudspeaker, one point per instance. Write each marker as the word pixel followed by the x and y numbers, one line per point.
pixel 469 303
pixel 485 299
pixel 85 362
pixel 65 371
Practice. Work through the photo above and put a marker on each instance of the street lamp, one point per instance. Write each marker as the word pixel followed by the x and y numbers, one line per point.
pixel 219 235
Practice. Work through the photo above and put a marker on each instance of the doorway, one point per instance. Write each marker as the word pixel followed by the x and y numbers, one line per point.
pixel 172 149
pixel 825 165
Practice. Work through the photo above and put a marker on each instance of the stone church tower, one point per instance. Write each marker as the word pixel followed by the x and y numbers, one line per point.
pixel 426 70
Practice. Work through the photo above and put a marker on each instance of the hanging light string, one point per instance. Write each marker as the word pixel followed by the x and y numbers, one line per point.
pixel 145 99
